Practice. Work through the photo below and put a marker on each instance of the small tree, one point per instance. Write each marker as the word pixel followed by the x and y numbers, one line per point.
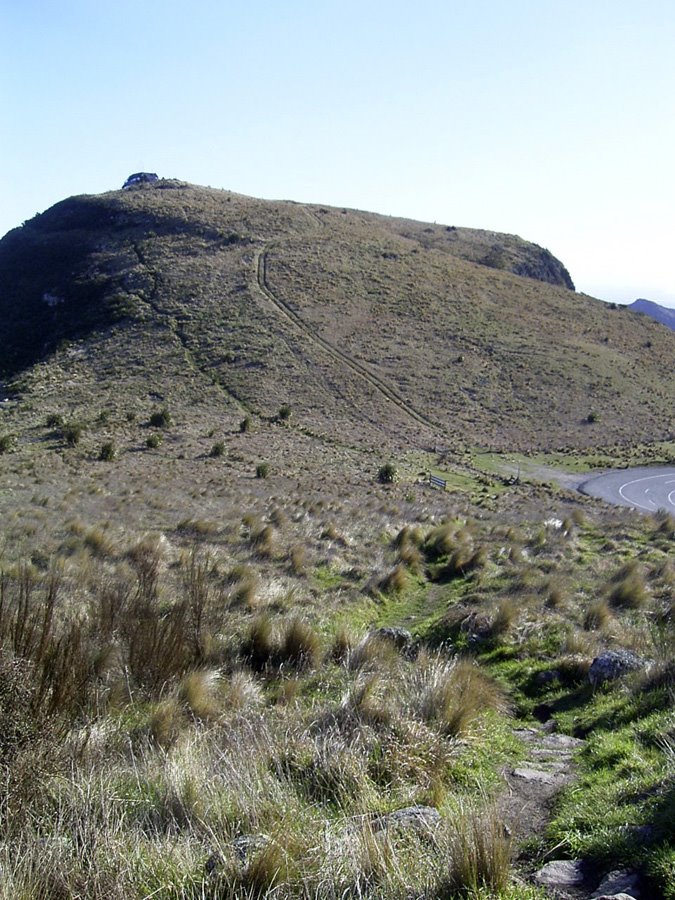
pixel 387 474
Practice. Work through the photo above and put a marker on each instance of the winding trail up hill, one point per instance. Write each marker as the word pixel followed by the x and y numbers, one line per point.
pixel 380 328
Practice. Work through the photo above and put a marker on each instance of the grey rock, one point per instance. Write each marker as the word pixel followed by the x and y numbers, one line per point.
pixel 425 817
pixel 613 664
pixel 246 844
pixel 399 637
pixel 561 742
pixel 537 775
pixel 620 896
pixel 561 873
pixel 620 881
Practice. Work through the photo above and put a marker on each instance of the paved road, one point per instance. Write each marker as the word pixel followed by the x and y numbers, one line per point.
pixel 648 489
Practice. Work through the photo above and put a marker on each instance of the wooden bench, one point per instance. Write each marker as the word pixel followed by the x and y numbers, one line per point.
pixel 437 482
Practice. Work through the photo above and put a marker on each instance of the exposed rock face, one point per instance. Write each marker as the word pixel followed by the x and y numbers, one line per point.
pixel 614 664
pixel 544 267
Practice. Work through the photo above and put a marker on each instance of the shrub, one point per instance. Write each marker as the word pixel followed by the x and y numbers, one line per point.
pixel 592 417
pixel 153 441
pixel 6 443
pixel 387 474
pixel 72 434
pixel 161 418
pixel 262 470
pixel 218 449
pixel 54 420
pixel 285 413
pixel 108 452
pixel 245 425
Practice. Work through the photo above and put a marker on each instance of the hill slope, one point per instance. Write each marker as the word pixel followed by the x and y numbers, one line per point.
pixel 655 311
pixel 377 328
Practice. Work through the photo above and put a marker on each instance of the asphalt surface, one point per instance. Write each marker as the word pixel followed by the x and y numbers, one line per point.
pixel 646 489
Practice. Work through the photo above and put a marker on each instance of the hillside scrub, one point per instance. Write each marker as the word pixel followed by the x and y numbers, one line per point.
pixel 180 725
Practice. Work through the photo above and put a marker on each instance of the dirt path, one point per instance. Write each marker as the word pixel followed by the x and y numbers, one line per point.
pixel 525 805
pixel 291 316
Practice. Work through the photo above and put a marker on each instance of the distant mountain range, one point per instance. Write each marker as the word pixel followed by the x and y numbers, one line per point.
pixel 660 313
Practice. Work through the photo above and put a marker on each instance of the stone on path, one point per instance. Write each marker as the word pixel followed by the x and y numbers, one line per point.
pixel 561 873
pixel 617 883
pixel 537 775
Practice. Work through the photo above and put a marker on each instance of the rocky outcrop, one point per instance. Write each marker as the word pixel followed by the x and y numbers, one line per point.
pixel 614 664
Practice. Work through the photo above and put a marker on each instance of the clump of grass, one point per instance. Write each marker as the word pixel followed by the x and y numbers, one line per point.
pixel 440 541
pixel 153 441
pixel 454 695
pixel 72 434
pixel 108 452
pixel 262 470
pixel 264 540
pixel 300 645
pixel 197 691
pixel 6 442
pixel 394 581
pixel 161 418
pixel 343 644
pixel 285 413
pixel 54 420
pixel 630 592
pixel 217 450
pixel 298 559
pixel 260 645
pixel 245 425
pixel 480 855
pixel 597 616
pixel 504 618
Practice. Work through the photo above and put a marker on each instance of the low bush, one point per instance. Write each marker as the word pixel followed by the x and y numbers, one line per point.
pixel 161 418
pixel 387 474
pixel 108 452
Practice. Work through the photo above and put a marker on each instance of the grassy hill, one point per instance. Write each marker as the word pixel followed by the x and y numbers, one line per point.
pixel 377 327
pixel 199 550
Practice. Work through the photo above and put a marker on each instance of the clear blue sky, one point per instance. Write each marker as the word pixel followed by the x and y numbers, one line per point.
pixel 551 120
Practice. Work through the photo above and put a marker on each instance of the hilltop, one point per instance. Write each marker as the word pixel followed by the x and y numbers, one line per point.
pixel 655 311
pixel 383 328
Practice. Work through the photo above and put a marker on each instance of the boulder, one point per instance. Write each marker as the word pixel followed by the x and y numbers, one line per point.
pixel 613 664
pixel 617 883
pixel 399 637
pixel 561 873
pixel 420 817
